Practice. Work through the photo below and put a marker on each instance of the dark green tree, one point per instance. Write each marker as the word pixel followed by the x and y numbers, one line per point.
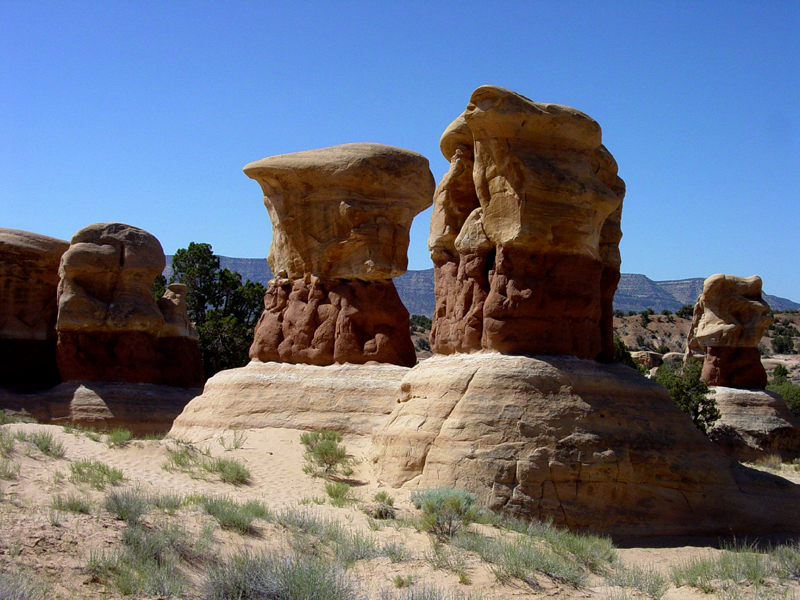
pixel 224 310
pixel 689 392
pixel 782 345
pixel 623 355
pixel 685 312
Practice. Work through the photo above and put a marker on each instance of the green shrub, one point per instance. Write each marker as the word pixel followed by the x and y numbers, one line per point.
pixel 646 580
pixel 8 469
pixel 118 438
pixel 232 515
pixel 445 510
pixel 6 443
pixel 97 474
pixel 127 505
pixel 167 501
pixel 44 441
pixel 689 392
pixel 623 355
pixel 17 586
pixel 230 470
pixel 323 451
pixel 71 503
pixel 267 576
pixel 383 507
pixel 338 492
pixel 14 418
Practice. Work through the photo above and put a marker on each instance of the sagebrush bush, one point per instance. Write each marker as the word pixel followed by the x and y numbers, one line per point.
pixel 71 503
pixel 324 454
pixel 273 576
pixel 118 437
pixel 17 586
pixel 97 474
pixel 127 505
pixel 45 442
pixel 232 515
pixel 446 510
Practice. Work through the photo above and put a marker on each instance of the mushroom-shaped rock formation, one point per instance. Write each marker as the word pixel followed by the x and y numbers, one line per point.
pixel 524 238
pixel 110 327
pixel 525 231
pixel 730 318
pixel 28 308
pixel 340 220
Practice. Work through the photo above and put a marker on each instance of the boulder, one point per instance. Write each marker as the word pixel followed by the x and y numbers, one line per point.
pixel 340 219
pixel 649 359
pixel 591 446
pixel 28 308
pixel 525 231
pixel 346 398
pixel 110 327
pixel 754 424
pixel 730 318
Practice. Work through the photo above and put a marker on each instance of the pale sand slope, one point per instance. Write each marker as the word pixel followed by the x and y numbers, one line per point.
pixel 56 546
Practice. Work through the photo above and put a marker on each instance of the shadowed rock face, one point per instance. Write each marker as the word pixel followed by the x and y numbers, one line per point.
pixel 340 218
pixel 110 327
pixel 525 231
pixel 730 318
pixel 28 308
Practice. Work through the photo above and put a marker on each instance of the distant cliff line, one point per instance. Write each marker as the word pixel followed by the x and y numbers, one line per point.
pixel 635 292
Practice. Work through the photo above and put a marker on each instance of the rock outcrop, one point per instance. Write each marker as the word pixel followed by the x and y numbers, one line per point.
pixel 110 328
pixel 754 424
pixel 346 398
pixel 340 218
pixel 591 446
pixel 730 318
pixel 28 308
pixel 525 231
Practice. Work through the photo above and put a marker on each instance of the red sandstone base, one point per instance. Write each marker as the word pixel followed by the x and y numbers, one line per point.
pixel 131 357
pixel 332 322
pixel 734 367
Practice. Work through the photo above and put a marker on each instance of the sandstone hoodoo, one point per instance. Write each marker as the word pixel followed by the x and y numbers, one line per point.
pixel 730 318
pixel 524 239
pixel 525 231
pixel 110 328
pixel 340 219
pixel 28 308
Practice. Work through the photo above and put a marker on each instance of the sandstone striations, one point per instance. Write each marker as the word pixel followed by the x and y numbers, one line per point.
pixel 525 231
pixel 591 446
pixel 346 398
pixel 340 218
pixel 28 308
pixel 730 318
pixel 110 327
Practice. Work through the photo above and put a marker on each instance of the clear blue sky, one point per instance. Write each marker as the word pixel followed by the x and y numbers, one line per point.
pixel 146 112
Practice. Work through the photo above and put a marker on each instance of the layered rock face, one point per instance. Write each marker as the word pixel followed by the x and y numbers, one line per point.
pixel 110 327
pixel 525 232
pixel 591 446
pixel 340 219
pixel 346 398
pixel 28 308
pixel 730 318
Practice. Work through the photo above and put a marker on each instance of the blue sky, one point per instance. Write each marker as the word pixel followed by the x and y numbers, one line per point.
pixel 146 112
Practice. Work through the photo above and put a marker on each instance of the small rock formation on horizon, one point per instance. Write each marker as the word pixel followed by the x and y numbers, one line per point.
pixel 525 231
pixel 730 318
pixel 28 308
pixel 110 328
pixel 340 218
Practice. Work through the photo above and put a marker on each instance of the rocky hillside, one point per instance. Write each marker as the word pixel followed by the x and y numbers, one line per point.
pixel 635 292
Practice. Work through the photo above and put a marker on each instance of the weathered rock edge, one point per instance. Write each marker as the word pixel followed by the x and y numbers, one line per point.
pixel 347 398
pixel 594 447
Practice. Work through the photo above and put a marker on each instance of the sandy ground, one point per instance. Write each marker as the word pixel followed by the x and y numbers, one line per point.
pixel 55 546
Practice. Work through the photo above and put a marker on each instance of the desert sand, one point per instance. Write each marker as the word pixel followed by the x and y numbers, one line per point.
pixel 54 547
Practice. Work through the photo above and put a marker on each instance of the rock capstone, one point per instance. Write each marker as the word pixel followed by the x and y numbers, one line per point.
pixel 340 218
pixel 525 231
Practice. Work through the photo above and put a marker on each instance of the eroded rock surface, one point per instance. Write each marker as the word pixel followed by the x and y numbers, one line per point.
pixel 28 308
pixel 754 424
pixel 730 318
pixel 346 398
pixel 591 446
pixel 110 327
pixel 525 231
pixel 340 218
